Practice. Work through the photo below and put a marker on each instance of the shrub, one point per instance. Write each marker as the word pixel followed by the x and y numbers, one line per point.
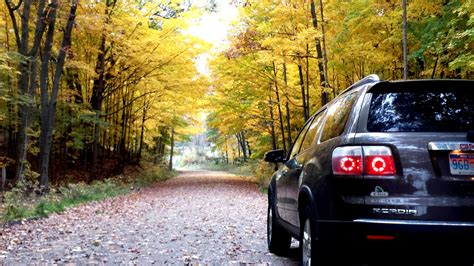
pixel 263 174
pixel 153 174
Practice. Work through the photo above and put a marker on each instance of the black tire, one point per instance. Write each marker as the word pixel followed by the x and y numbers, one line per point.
pixel 278 240
pixel 312 250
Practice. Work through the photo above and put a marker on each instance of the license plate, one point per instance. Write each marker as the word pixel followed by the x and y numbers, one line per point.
pixel 461 163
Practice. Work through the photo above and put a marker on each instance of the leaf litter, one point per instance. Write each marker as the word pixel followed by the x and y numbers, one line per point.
pixel 197 218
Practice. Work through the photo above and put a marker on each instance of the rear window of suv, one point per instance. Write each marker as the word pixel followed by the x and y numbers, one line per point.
pixel 423 111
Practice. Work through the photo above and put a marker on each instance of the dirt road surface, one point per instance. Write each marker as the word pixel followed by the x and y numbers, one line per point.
pixel 199 217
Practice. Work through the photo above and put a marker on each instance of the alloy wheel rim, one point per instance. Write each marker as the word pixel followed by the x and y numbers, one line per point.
pixel 269 225
pixel 307 243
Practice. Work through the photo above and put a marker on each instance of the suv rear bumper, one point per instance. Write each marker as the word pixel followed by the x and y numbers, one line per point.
pixel 398 230
pixel 414 242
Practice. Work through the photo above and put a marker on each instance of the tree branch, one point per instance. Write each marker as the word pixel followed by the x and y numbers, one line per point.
pixel 11 10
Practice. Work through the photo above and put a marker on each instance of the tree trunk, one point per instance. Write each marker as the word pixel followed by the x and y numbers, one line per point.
pixel 280 115
pixel 325 54
pixel 248 148
pixel 45 101
pixel 128 132
pixel 99 87
pixel 308 107
pixel 170 167
pixel 404 4
pixel 434 68
pixel 27 69
pixel 303 93
pixel 242 144
pixel 226 150
pixel 288 125
pixel 319 53
pixel 272 122
pixel 287 108
pixel 4 178
pixel 47 136
pixel 238 149
pixel 142 129
pixel 23 79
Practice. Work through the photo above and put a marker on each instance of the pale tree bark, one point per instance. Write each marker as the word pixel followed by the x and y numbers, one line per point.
pixel 323 31
pixel 170 166
pixel 48 103
pixel 226 150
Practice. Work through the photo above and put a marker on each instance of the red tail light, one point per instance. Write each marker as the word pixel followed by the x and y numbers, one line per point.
pixel 358 160
pixel 347 160
pixel 379 160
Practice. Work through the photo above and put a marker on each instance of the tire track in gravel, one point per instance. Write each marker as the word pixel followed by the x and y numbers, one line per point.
pixel 199 217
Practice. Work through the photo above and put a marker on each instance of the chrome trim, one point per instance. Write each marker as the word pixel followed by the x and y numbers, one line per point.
pixel 450 145
pixel 412 222
pixel 422 201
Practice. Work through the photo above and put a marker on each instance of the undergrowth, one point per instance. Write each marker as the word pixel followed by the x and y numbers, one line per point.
pixel 260 171
pixel 25 201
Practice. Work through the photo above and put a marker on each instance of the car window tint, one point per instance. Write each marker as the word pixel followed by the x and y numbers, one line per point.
pixel 421 112
pixel 299 140
pixel 337 116
pixel 312 130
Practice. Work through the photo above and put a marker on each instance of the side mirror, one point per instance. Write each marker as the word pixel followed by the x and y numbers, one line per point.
pixel 275 156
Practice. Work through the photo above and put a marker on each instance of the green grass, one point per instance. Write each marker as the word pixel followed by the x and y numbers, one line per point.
pixel 18 204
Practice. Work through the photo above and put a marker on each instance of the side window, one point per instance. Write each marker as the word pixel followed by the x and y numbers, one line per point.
pixel 337 116
pixel 312 130
pixel 299 140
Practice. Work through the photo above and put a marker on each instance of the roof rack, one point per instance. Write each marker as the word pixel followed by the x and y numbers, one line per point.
pixel 369 79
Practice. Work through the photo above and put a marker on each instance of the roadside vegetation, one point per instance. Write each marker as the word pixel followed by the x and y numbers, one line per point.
pixel 255 170
pixel 26 201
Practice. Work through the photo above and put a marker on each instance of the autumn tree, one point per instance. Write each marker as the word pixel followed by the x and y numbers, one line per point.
pixel 286 59
pixel 110 77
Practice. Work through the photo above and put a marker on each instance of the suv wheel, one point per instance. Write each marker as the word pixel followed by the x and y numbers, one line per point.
pixel 306 243
pixel 278 239
pixel 312 252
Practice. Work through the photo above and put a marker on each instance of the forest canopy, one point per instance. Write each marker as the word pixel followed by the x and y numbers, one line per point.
pixel 92 86
pixel 288 58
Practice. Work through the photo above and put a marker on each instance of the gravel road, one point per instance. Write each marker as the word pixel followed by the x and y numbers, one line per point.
pixel 198 218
